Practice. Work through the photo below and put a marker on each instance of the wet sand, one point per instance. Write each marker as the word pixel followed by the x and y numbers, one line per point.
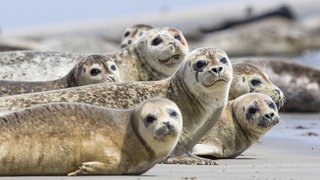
pixel 291 150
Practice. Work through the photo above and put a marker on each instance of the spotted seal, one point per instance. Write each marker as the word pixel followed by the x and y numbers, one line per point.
pixel 90 70
pixel 156 55
pixel 132 33
pixel 243 122
pixel 199 87
pixel 57 138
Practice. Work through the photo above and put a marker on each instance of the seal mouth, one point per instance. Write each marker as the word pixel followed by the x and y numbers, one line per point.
pixel 175 57
pixel 208 84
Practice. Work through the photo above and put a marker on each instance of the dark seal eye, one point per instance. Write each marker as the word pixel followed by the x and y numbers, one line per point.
pixel 223 60
pixel 150 119
pixel 156 41
pixel 126 34
pixel 173 114
pixel 113 68
pixel 255 82
pixel 200 65
pixel 252 110
pixel 272 106
pixel 178 37
pixel 95 72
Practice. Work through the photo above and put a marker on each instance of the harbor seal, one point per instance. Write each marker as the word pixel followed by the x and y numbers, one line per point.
pixel 199 87
pixel 243 122
pixel 300 83
pixel 57 138
pixel 132 33
pixel 90 70
pixel 156 55
pixel 248 78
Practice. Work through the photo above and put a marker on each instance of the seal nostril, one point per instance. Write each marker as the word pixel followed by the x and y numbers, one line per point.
pixel 129 41
pixel 217 69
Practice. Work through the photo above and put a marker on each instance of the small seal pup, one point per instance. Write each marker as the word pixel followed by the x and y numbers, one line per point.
pixel 156 55
pixel 243 122
pixel 248 78
pixel 90 70
pixel 199 87
pixel 132 33
pixel 57 138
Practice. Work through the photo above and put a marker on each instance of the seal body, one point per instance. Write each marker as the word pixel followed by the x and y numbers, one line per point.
pixel 132 33
pixel 156 55
pixel 248 78
pixel 199 87
pixel 299 83
pixel 57 138
pixel 90 70
pixel 243 122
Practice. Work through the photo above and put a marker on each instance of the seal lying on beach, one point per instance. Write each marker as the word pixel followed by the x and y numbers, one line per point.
pixel 132 33
pixel 57 138
pixel 199 87
pixel 243 122
pixel 156 55
pixel 90 70
pixel 299 83
pixel 248 78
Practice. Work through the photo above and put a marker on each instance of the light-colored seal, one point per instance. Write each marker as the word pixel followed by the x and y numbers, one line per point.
pixel 156 55
pixel 199 87
pixel 57 138
pixel 132 33
pixel 299 83
pixel 248 78
pixel 90 70
pixel 243 122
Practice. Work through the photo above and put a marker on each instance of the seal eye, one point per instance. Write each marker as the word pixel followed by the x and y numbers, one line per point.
pixel 272 105
pixel 173 114
pixel 150 119
pixel 156 41
pixel 255 82
pixel 252 110
pixel 223 60
pixel 200 65
pixel 95 71
pixel 113 68
pixel 126 34
pixel 178 37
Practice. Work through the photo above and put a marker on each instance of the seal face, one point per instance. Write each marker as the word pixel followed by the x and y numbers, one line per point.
pixel 91 69
pixel 57 138
pixel 132 33
pixel 162 50
pixel 243 122
pixel 200 91
pixel 248 78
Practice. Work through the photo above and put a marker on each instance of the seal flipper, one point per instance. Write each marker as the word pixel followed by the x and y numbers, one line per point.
pixel 89 168
pixel 207 150
pixel 189 158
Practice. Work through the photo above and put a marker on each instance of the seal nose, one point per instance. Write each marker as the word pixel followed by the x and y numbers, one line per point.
pixel 173 44
pixel 278 91
pixel 217 69
pixel 269 115
pixel 112 78
pixel 168 125
pixel 129 41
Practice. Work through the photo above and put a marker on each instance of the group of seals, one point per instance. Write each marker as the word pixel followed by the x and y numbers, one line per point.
pixel 243 122
pixel 98 139
pixel 90 70
pixel 199 87
pixel 156 55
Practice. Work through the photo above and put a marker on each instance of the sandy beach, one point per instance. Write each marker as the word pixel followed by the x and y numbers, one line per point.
pixel 291 150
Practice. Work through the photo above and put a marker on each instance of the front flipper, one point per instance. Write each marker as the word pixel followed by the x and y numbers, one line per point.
pixel 189 159
pixel 91 168
pixel 207 150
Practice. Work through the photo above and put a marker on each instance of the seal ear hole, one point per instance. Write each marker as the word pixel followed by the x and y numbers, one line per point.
pixel 95 71
pixel 156 41
pixel 224 60
pixel 255 82
pixel 126 34
pixel 150 118
pixel 113 67
pixel 200 65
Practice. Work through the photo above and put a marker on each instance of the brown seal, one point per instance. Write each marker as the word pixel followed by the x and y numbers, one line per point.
pixel 132 33
pixel 57 138
pixel 90 70
pixel 243 122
